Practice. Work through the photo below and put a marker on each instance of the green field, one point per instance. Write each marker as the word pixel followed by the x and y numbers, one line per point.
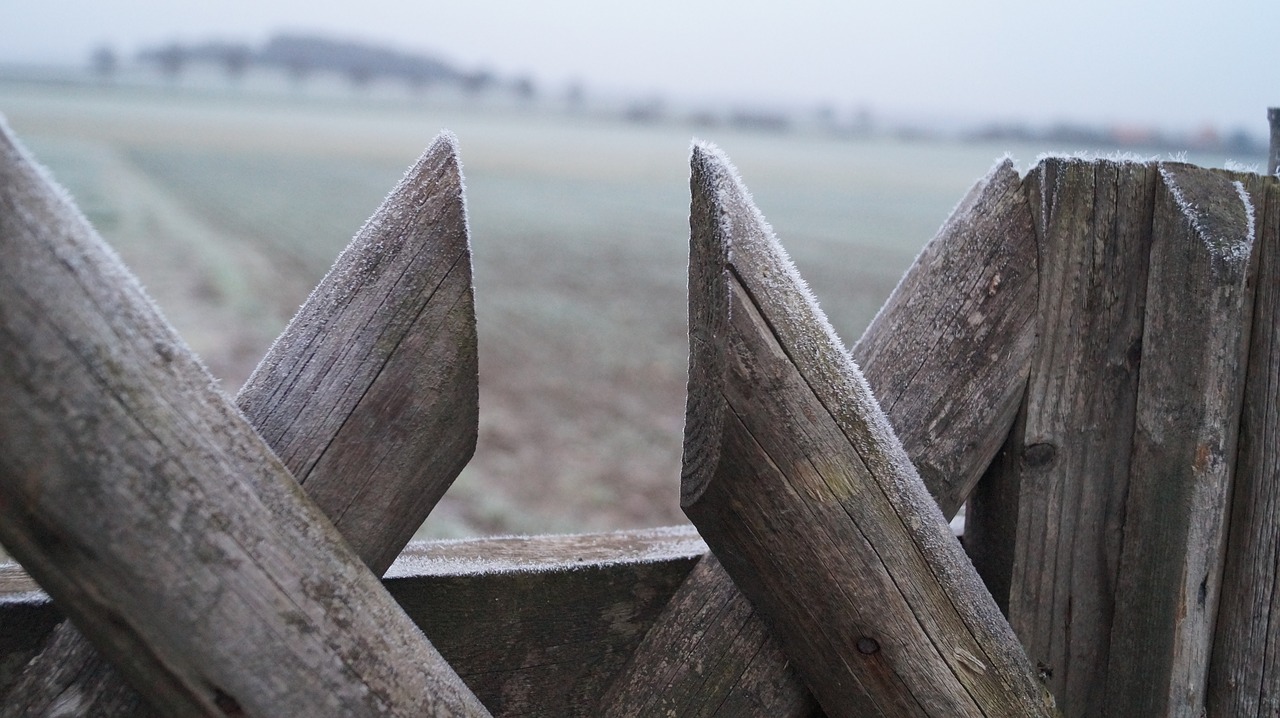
pixel 231 208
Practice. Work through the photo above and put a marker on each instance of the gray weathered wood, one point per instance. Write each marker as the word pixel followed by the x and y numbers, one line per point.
pixel 535 625
pixel 370 396
pixel 795 479
pixel 1244 676
pixel 69 677
pixel 553 618
pixel 142 501
pixel 945 410
pixel 386 343
pixel 1195 331
pixel 1068 465
pixel 948 355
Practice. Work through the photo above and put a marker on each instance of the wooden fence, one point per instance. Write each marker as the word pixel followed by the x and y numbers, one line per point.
pixel 1087 355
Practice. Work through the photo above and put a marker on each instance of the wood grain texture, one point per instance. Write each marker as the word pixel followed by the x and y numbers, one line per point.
pixel 26 619
pixel 384 346
pixel 1244 676
pixel 1195 333
pixel 708 654
pixel 535 625
pixel 152 512
pixel 1068 462
pixel 949 355
pixel 539 626
pixel 386 343
pixel 370 396
pixel 795 479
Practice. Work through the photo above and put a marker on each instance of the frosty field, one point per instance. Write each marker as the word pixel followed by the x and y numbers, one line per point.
pixel 231 208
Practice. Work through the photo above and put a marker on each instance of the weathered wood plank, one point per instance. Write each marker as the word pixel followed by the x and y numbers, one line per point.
pixel 370 395
pixel 24 622
pixel 795 479
pixel 142 501
pixel 553 618
pixel 949 355
pixel 1244 674
pixel 708 654
pixel 535 625
pixel 386 343
pixel 1068 464
pixel 1195 332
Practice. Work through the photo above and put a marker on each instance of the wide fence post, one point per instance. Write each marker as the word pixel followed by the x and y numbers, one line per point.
pixel 1069 462
pixel 1117 477
pixel 1244 675
pixel 154 514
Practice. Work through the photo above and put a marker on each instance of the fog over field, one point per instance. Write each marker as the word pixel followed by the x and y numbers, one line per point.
pixel 231 207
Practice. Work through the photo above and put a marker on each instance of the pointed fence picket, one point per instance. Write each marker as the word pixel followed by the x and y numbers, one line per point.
pixel 1086 354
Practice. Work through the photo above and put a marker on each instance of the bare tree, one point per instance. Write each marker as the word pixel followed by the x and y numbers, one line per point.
pixel 104 62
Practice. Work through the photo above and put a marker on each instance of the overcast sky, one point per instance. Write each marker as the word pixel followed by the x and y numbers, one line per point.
pixel 1174 64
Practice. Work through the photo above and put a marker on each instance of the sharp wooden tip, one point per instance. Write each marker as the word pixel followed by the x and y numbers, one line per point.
pixel 1219 211
pixel 710 230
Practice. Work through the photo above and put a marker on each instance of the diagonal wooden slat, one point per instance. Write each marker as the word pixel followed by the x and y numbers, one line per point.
pixel 144 503
pixel 369 396
pixel 795 479
pixel 949 355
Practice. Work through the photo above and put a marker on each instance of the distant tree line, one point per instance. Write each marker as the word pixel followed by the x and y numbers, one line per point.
pixel 301 56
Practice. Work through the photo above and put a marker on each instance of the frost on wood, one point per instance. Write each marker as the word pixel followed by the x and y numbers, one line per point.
pixel 949 352
pixel 1226 232
pixel 146 506
pixel 801 488
pixel 371 394
pixel 371 369
pixel 496 555
pixel 803 329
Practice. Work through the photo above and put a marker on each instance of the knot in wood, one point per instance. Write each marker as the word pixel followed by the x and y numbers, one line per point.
pixel 868 645
pixel 1039 455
